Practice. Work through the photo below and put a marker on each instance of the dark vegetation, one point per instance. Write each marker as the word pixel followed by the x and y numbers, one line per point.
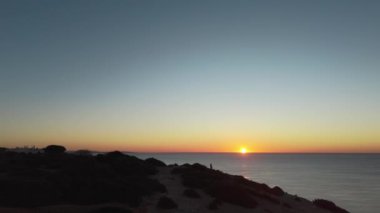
pixel 155 162
pixel 326 204
pixel 236 189
pixel 54 177
pixel 191 193
pixel 111 210
pixel 277 191
pixel 296 198
pixel 55 149
pixel 214 205
pixel 83 152
pixel 166 203
pixel 226 188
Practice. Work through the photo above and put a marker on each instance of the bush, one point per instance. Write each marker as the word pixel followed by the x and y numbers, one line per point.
pixel 83 152
pixel 326 204
pixel 214 205
pixel 115 154
pixel 26 193
pixel 32 180
pixel 166 203
pixel 55 149
pixel 111 209
pixel 265 196
pixel 191 193
pixel 221 186
pixel 230 192
pixel 277 191
pixel 126 164
pixel 154 162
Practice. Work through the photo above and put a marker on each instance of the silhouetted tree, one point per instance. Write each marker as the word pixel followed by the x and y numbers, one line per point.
pixel 55 149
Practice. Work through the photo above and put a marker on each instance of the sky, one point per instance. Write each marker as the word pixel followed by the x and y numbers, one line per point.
pixel 191 76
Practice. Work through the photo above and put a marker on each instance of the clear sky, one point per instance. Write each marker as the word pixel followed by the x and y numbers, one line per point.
pixel 272 76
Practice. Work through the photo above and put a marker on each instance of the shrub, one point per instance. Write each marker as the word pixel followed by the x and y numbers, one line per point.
pixel 326 204
pixel 115 154
pixel 55 149
pixel 32 180
pixel 166 203
pixel 26 193
pixel 83 152
pixel 110 209
pixel 126 164
pixel 233 193
pixel 277 191
pixel 265 196
pixel 214 205
pixel 154 162
pixel 221 186
pixel 191 193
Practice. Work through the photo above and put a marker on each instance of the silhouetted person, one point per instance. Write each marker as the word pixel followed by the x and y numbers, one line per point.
pixel 210 165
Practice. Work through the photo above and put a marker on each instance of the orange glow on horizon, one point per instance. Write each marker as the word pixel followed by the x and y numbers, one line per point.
pixel 243 150
pixel 261 145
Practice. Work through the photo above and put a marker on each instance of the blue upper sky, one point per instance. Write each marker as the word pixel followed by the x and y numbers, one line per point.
pixel 150 75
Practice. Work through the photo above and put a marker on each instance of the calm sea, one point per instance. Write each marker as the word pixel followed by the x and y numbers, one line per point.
pixel 352 181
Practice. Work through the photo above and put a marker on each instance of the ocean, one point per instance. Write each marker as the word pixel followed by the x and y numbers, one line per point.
pixel 352 181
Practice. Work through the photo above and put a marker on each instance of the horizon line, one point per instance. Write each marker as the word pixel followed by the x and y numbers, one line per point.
pixel 206 152
pixel 248 153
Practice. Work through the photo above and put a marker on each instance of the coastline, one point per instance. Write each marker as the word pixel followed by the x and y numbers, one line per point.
pixel 189 188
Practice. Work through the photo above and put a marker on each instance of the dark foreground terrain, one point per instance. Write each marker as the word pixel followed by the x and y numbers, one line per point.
pixel 53 180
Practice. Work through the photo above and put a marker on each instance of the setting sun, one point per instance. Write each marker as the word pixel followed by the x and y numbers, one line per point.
pixel 243 150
